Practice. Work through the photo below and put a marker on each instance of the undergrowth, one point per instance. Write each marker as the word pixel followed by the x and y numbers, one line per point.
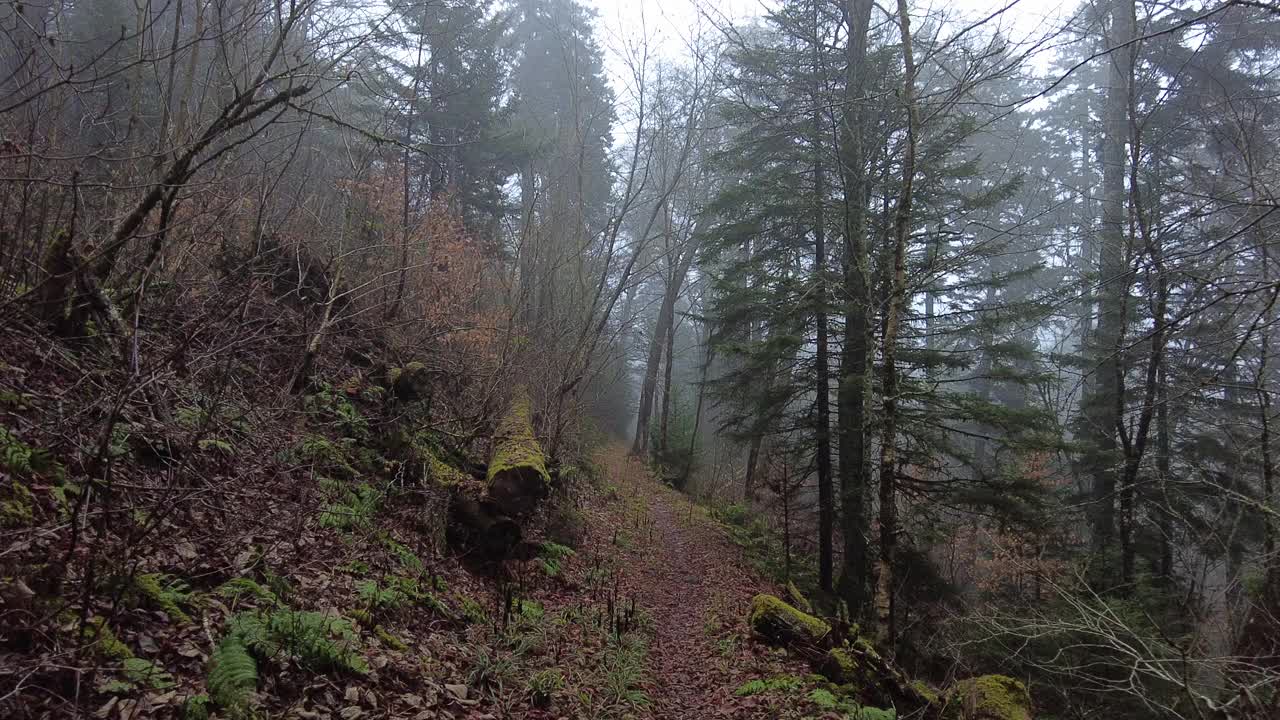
pixel 312 640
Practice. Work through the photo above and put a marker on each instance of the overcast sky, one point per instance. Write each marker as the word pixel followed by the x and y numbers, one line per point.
pixel 670 23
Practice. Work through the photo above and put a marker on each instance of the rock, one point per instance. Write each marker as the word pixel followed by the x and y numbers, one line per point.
pixel 782 624
pixel 987 697
pixel 517 476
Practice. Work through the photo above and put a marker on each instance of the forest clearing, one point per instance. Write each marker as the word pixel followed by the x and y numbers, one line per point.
pixel 578 359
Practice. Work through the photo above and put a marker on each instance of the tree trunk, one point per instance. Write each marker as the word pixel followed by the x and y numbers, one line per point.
pixel 666 316
pixel 855 380
pixel 664 424
pixel 888 348
pixel 1104 407
pixel 826 501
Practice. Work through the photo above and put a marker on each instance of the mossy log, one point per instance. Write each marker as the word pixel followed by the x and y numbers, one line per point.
pixel 517 476
pixel 482 527
pixel 781 624
pixel 864 674
pixel 987 697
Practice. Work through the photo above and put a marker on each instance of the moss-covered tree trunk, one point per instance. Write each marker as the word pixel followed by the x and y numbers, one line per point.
pixel 518 476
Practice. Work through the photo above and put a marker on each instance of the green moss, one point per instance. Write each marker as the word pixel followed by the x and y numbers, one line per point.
pixel 782 623
pixel 840 666
pixel 105 642
pixel 924 691
pixel 391 641
pixel 165 593
pixel 988 697
pixel 442 473
pixel 19 509
pixel 515 447
pixel 824 699
pixel 798 599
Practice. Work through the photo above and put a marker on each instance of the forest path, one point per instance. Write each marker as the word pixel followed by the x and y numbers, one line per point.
pixel 681 568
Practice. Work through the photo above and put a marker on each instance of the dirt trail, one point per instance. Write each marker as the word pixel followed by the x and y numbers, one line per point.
pixel 688 575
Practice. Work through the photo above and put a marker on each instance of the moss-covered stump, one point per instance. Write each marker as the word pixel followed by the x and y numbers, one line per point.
pixel 518 476
pixel 873 680
pixel 988 697
pixel 410 383
pixel 781 624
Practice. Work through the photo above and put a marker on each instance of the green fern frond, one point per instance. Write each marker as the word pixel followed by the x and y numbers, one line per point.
pixel 236 588
pixel 254 632
pixel 233 676
pixel 166 593
pixel 196 707
pixel 319 641
pixel 147 674
pixel 19 458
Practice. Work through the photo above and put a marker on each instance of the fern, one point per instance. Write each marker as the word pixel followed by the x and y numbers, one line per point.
pixel 233 676
pixel 408 559
pixel 319 641
pixel 316 641
pixel 394 592
pixel 166 593
pixel 253 631
pixel 334 406
pixel 20 458
pixel 196 708
pixel 351 507
pixel 236 588
pixel 550 556
pixel 326 454
pixel 147 674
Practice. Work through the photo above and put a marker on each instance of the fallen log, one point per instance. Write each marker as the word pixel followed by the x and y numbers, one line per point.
pixel 481 527
pixel 518 477
pixel 781 624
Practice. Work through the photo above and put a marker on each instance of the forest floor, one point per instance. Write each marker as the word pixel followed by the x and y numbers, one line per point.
pixel 628 601
pixel 685 573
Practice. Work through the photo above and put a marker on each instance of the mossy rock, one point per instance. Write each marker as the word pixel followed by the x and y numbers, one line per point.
pixel 782 624
pixel 518 476
pixel 987 697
